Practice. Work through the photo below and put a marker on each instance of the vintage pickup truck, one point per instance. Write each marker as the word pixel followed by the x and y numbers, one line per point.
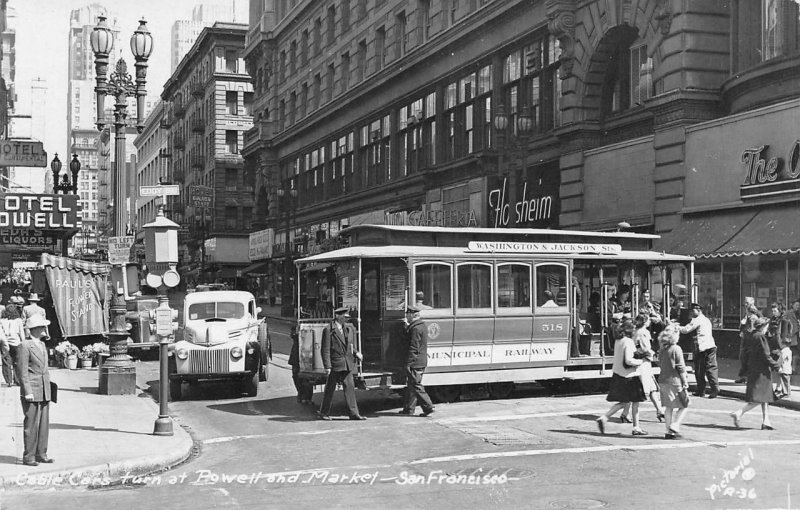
pixel 223 339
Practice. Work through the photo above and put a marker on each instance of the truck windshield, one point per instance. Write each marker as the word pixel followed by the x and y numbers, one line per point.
pixel 219 310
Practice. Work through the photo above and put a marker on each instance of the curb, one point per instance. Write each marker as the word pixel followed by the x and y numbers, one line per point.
pixel 100 475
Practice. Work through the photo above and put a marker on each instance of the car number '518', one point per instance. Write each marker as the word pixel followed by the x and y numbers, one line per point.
pixel 552 326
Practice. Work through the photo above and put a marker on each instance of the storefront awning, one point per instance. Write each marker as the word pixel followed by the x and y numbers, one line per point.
pixel 769 230
pixel 254 269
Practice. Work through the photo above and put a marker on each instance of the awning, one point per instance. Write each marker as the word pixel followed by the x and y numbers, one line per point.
pixel 254 269
pixel 78 289
pixel 227 272
pixel 742 232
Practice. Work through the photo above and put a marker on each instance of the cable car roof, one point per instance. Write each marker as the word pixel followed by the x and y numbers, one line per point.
pixel 500 232
pixel 370 252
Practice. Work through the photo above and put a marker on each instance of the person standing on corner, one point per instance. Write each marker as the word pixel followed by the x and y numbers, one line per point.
pixel 794 318
pixel 416 335
pixel 705 351
pixel 34 380
pixel 338 353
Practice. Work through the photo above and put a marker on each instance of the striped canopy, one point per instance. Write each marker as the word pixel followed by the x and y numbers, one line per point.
pixel 78 289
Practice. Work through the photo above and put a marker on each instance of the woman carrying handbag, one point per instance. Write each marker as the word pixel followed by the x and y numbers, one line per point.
pixel 673 384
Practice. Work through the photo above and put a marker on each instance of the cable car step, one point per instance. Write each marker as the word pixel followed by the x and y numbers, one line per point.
pixel 372 379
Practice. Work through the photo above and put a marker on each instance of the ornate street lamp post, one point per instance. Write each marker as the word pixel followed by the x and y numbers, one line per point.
pixel 75 168
pixel 287 289
pixel 516 143
pixel 118 374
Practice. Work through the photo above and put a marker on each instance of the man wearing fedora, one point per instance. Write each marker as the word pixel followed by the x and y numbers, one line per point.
pixel 34 380
pixel 705 351
pixel 33 308
pixel 338 358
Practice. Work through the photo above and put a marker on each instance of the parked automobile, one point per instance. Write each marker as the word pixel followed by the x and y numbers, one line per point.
pixel 223 339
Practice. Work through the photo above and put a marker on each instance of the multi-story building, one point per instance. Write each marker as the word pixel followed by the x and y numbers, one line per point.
pixel 8 70
pixel 152 166
pixel 208 107
pixel 82 134
pixel 676 118
pixel 184 32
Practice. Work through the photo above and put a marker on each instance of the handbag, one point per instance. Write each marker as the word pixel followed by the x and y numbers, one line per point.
pixel 683 397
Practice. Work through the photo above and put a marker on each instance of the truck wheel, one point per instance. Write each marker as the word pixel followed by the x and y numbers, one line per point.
pixel 175 389
pixel 251 385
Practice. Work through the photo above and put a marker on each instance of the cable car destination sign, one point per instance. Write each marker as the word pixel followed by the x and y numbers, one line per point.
pixel 41 212
pixel 513 247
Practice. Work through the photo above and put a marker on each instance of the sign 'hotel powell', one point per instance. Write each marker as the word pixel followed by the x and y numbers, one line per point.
pixel 44 212
pixel 512 247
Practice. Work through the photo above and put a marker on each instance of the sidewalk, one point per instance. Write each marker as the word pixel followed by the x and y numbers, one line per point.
pixel 94 439
pixel 728 372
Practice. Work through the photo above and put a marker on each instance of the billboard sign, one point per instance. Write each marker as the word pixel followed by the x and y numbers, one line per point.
pixel 22 153
pixel 42 212
pixel 28 237
pixel 261 244
pixel 201 196
pixel 158 191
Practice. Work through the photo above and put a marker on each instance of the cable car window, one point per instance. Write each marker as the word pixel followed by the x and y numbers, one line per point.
pixel 432 286
pixel 551 286
pixel 513 286
pixel 474 286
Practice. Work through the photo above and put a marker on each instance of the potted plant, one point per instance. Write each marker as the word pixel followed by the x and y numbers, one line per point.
pixel 68 353
pixel 86 356
pixel 101 351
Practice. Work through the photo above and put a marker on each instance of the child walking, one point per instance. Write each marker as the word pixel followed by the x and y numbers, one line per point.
pixel 784 388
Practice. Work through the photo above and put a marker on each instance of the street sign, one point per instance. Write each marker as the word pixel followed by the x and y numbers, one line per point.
pixel 157 191
pixel 201 196
pixel 22 153
pixel 119 249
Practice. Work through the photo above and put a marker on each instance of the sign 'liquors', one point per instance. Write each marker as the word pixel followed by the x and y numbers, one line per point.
pixel 42 212
pixel 765 175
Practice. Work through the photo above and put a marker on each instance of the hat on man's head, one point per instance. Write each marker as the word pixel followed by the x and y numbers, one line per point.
pixel 37 321
pixel 342 311
pixel 412 309
pixel 16 300
pixel 33 297
pixel 696 306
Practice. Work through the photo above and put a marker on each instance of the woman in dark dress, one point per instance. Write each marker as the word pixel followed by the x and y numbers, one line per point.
pixel 757 366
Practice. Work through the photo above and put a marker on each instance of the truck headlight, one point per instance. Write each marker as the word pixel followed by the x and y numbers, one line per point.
pixel 236 352
pixel 182 353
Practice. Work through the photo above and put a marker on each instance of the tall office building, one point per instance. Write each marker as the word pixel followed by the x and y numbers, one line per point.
pixel 7 72
pixel 82 135
pixel 185 32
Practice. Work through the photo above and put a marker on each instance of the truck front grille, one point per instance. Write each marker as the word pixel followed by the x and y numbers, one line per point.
pixel 209 361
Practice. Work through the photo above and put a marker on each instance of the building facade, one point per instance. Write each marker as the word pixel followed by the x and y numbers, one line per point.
pixel 184 32
pixel 152 167
pixel 390 112
pixel 208 108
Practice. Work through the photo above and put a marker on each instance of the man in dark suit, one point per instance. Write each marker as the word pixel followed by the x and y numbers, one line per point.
pixel 338 358
pixel 34 380
pixel 417 340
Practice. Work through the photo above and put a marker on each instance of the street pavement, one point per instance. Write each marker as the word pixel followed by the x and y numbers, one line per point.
pixel 97 439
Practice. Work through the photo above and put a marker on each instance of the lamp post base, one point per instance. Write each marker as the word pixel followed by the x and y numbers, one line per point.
pixel 163 426
pixel 117 380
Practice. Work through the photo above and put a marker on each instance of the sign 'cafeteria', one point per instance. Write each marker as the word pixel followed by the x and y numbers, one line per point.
pixel 43 212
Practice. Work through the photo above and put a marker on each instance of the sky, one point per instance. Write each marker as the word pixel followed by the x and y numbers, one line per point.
pixel 42 35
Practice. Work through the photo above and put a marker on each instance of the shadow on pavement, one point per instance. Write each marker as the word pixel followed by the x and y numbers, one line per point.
pixel 9 459
pixel 92 390
pixel 64 426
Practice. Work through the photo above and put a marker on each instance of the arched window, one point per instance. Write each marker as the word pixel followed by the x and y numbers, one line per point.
pixel 628 80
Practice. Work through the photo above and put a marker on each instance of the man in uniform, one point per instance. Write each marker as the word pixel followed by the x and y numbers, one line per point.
pixel 705 351
pixel 338 353
pixel 416 334
pixel 34 381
